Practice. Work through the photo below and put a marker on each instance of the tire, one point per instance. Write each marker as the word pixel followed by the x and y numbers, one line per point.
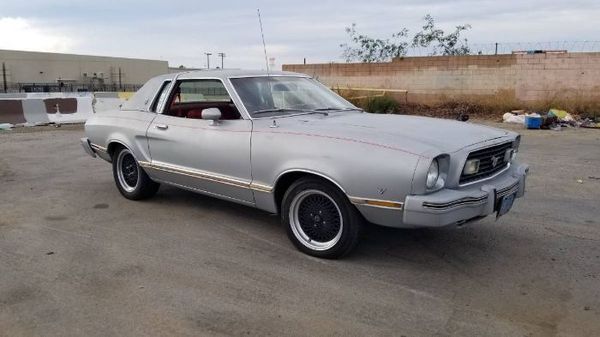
pixel 319 219
pixel 131 180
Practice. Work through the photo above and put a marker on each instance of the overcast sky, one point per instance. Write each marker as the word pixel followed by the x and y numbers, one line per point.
pixel 181 31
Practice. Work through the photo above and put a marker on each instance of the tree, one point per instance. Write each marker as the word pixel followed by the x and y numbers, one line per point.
pixel 364 48
pixel 450 44
pixel 367 49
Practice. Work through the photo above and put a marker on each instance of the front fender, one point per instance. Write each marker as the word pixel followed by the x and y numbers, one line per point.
pixel 360 170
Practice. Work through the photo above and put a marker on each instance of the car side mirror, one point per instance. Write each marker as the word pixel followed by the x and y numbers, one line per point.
pixel 212 114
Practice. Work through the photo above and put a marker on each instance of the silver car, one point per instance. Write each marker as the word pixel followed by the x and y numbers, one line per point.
pixel 284 143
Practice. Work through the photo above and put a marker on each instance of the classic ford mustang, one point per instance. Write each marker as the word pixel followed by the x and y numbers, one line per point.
pixel 284 143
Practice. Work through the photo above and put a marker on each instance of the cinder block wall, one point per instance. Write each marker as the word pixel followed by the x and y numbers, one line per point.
pixel 526 78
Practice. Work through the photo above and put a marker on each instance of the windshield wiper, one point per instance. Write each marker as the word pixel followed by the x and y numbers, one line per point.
pixel 258 112
pixel 336 109
pixel 303 111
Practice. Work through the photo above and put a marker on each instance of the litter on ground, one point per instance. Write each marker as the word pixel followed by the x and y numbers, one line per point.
pixel 554 119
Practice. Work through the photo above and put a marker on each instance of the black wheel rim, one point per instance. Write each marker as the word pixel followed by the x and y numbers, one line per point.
pixel 130 170
pixel 319 218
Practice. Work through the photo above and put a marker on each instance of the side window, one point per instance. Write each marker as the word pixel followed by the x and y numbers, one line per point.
pixel 161 97
pixel 190 97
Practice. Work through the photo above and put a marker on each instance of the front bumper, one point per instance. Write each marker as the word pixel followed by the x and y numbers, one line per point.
pixel 448 206
pixel 452 206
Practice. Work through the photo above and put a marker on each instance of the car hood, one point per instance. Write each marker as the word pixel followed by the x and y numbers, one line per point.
pixel 415 134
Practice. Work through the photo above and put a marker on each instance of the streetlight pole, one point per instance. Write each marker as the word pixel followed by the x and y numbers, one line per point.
pixel 222 56
pixel 208 60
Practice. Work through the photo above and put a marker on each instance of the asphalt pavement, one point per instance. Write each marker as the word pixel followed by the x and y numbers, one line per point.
pixel 77 259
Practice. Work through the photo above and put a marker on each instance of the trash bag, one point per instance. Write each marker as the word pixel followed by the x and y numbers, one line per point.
pixel 511 118
pixel 562 115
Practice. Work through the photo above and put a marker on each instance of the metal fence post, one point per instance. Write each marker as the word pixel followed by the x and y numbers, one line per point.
pixel 4 76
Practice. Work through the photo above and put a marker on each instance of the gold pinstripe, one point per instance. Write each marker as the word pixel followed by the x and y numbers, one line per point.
pixel 207 176
pixel 254 186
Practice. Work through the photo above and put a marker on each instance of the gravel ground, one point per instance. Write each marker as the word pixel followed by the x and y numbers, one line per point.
pixel 77 259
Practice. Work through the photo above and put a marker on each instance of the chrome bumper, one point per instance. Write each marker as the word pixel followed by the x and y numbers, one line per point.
pixel 87 147
pixel 451 206
pixel 448 206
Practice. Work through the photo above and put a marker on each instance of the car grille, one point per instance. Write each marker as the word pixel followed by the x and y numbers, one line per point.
pixel 486 167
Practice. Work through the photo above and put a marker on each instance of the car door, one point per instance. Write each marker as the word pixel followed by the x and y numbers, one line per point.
pixel 211 157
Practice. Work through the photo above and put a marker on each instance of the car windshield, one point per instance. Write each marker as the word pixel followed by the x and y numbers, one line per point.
pixel 282 95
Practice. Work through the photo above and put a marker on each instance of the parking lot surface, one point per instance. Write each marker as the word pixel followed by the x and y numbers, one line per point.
pixel 77 259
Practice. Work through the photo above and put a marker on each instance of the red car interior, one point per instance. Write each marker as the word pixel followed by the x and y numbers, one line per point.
pixel 194 109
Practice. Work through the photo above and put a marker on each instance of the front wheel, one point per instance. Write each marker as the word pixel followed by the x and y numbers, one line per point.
pixel 131 180
pixel 320 220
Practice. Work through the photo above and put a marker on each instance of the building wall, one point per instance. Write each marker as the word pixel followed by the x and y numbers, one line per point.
pixel 528 78
pixel 36 67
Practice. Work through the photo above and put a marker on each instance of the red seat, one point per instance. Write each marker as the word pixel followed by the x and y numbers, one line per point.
pixel 194 113
pixel 228 112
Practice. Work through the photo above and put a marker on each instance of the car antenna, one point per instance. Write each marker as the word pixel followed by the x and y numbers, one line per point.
pixel 262 34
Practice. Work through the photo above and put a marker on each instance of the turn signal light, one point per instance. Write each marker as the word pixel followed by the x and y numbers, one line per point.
pixel 382 203
pixel 471 167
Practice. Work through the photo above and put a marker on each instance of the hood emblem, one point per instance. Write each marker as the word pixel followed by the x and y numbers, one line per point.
pixel 495 161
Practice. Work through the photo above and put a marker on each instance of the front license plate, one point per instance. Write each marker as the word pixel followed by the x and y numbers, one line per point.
pixel 505 204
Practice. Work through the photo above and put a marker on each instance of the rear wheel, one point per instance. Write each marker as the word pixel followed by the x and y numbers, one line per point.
pixel 319 218
pixel 131 180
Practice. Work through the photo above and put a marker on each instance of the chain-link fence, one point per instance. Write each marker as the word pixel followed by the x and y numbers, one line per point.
pixel 67 87
pixel 496 48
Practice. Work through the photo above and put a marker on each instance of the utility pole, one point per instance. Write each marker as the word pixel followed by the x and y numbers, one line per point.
pixel 120 78
pixel 4 76
pixel 222 56
pixel 496 49
pixel 208 60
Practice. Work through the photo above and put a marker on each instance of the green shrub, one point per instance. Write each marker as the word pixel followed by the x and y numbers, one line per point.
pixel 379 104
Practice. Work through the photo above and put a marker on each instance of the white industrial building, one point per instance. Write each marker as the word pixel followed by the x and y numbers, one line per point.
pixel 40 71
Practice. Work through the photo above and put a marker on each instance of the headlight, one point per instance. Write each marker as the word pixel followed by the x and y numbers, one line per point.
pixel 516 143
pixel 509 155
pixel 433 174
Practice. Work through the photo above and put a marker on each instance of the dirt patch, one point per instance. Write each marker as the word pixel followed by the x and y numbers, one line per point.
pixel 18 295
pixel 451 110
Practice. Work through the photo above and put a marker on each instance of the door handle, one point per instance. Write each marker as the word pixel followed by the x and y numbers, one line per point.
pixel 162 126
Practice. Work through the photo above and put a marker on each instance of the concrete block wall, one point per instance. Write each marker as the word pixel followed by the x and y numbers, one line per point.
pixel 32 109
pixel 525 77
